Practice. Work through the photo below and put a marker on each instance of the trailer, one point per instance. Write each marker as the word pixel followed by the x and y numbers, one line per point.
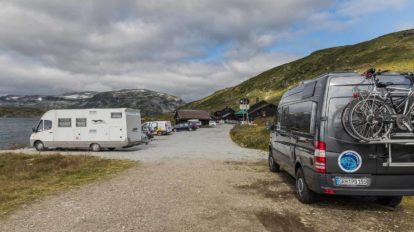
pixel 94 129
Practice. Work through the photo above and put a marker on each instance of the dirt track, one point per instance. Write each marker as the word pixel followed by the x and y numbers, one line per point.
pixel 202 195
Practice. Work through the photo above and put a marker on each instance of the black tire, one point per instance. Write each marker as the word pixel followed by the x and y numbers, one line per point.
pixel 111 148
pixel 95 147
pixel 303 193
pixel 39 146
pixel 273 166
pixel 391 202
pixel 378 127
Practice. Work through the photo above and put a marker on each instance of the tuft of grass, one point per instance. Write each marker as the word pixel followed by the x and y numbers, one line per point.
pixel 409 202
pixel 252 136
pixel 25 178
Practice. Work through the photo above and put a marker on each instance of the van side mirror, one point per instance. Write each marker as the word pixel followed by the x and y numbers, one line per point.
pixel 34 130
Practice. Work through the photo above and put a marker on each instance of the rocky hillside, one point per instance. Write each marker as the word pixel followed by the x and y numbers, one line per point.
pixel 149 102
pixel 393 51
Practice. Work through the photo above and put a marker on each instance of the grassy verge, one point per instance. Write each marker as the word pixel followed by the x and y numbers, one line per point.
pixel 24 178
pixel 254 136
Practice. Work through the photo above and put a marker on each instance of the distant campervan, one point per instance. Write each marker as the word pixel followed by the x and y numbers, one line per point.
pixel 95 129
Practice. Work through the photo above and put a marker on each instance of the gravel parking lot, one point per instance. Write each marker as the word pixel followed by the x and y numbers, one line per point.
pixel 205 144
pixel 200 181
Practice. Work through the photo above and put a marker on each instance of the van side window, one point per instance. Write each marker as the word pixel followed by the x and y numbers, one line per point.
pixel 116 115
pixel 300 117
pixel 284 118
pixel 81 122
pixel 47 125
pixel 64 122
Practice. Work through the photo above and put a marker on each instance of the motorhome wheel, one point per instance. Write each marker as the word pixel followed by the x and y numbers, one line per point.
pixel 95 147
pixel 39 146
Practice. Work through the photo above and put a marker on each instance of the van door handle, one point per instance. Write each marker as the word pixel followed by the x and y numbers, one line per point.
pixel 50 132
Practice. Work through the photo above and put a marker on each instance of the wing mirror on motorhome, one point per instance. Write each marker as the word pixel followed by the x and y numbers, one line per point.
pixel 34 130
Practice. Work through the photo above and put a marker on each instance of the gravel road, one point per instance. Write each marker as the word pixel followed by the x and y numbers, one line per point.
pixel 202 182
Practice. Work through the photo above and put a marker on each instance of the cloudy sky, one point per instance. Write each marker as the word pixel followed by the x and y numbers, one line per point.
pixel 189 48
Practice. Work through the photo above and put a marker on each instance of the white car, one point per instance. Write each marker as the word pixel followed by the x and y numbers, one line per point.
pixel 212 124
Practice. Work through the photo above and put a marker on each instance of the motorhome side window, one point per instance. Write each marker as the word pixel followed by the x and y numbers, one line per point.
pixel 64 122
pixel 116 115
pixel 47 125
pixel 81 122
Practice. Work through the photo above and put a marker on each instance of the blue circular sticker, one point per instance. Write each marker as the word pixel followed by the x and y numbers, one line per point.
pixel 349 161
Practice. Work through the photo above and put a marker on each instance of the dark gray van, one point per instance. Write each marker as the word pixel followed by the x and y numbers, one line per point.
pixel 310 143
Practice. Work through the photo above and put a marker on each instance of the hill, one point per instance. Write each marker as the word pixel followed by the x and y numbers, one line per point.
pixel 149 102
pixel 393 51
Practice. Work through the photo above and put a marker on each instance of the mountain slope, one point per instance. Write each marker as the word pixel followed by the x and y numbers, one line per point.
pixel 149 102
pixel 393 51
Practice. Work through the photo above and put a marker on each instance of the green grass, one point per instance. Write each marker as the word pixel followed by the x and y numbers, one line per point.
pixel 25 178
pixel 393 51
pixel 254 136
pixel 20 112
pixel 160 117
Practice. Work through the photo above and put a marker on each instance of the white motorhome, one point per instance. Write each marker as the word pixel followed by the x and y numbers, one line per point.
pixel 160 127
pixel 95 129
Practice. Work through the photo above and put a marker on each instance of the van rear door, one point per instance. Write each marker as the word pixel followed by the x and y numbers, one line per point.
pixel 336 138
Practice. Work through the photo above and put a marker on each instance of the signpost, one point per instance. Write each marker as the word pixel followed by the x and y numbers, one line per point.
pixel 244 106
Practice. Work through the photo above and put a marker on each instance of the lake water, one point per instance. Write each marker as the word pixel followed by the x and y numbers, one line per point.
pixel 16 131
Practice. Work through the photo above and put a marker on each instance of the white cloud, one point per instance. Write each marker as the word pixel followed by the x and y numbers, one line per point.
pixel 49 46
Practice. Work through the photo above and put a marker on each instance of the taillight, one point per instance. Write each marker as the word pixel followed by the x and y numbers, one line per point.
pixel 320 157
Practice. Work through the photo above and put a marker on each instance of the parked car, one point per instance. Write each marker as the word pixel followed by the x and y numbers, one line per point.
pixel 212 124
pixel 160 127
pixel 310 143
pixel 185 126
pixel 196 122
pixel 95 129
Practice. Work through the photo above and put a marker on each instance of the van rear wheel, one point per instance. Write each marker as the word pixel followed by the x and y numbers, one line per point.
pixel 39 146
pixel 95 147
pixel 392 202
pixel 303 193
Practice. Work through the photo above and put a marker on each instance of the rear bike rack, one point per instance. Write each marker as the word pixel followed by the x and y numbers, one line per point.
pixel 388 143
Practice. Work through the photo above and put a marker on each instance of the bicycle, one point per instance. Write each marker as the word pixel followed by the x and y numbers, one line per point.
pixel 373 114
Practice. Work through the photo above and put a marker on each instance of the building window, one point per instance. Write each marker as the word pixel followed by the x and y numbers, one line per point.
pixel 64 122
pixel 116 115
pixel 81 122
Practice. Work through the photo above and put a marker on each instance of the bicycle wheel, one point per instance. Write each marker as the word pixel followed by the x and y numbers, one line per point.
pixel 345 121
pixel 370 119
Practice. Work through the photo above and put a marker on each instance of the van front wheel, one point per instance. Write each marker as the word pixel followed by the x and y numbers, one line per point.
pixel 273 166
pixel 95 147
pixel 303 193
pixel 39 146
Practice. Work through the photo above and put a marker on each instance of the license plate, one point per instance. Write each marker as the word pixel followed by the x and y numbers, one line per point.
pixel 349 181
